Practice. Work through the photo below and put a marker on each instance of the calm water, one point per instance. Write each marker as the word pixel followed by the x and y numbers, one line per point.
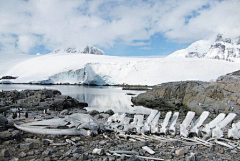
pixel 98 97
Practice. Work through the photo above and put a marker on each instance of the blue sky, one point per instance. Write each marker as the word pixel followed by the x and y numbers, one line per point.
pixel 119 27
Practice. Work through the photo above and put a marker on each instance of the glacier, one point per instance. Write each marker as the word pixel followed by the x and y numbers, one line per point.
pixel 80 68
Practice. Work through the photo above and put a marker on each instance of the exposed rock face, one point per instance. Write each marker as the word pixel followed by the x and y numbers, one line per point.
pixel 220 96
pixel 87 50
pixel 38 99
pixel 222 48
pixel 225 49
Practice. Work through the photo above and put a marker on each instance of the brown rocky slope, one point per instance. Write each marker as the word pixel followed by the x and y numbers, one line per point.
pixel 220 96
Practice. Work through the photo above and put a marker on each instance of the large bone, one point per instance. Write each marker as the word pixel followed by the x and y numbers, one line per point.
pixel 164 125
pixel 217 131
pixel 207 130
pixel 172 128
pixel 147 125
pixel 154 124
pixel 234 132
pixel 44 131
pixel 50 122
pixel 138 123
pixel 186 124
pixel 198 123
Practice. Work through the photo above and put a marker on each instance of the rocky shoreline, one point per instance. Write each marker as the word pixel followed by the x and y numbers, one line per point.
pixel 216 97
pixel 18 145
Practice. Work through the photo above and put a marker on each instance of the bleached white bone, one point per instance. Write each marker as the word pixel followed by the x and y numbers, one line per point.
pixel 172 128
pixel 186 123
pixel 151 116
pixel 38 130
pixel 207 130
pixel 195 129
pixel 149 150
pixel 113 118
pixel 217 131
pixel 50 122
pixel 154 124
pixel 137 123
pixel 98 151
pixel 140 124
pixel 164 125
pixel 147 125
pixel 79 121
pixel 234 132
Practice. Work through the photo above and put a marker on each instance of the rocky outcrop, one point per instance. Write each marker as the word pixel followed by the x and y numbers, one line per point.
pixel 38 99
pixel 87 50
pixel 220 96
pixel 222 48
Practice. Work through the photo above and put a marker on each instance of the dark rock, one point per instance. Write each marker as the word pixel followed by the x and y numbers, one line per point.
pixel 5 153
pixel 93 112
pixel 27 146
pixel 110 112
pixel 83 157
pixel 45 142
pixel 14 135
pixel 3 123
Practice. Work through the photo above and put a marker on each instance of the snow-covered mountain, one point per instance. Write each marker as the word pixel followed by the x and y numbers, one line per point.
pixel 68 66
pixel 197 49
pixel 222 48
pixel 103 69
pixel 87 50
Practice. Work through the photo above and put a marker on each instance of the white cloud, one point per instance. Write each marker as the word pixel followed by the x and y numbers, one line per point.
pixel 61 23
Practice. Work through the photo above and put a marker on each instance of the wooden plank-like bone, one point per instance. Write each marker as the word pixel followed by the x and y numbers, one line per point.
pixel 164 125
pixel 207 130
pixel 147 125
pixel 186 124
pixel 172 128
pixel 217 131
pixel 234 132
pixel 154 124
pixel 195 129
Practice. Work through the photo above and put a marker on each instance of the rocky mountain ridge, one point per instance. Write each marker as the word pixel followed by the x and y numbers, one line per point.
pixel 222 48
pixel 87 50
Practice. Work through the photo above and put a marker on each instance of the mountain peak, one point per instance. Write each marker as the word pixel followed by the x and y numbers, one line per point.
pixel 223 48
pixel 87 50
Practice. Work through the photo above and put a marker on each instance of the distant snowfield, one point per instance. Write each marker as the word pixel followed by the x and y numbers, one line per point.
pixel 103 69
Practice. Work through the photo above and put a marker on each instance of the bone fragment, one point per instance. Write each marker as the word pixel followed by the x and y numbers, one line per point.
pixel 224 144
pixel 186 124
pixel 199 123
pixel 217 131
pixel 125 152
pixel 70 142
pixel 164 125
pixel 98 151
pixel 234 132
pixel 149 150
pixel 172 128
pixel 207 130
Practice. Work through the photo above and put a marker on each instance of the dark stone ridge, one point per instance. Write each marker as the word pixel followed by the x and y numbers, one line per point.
pixel 38 99
pixel 8 77
pixel 220 96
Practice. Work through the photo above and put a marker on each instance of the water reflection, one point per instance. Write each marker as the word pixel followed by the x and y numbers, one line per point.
pixel 99 98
